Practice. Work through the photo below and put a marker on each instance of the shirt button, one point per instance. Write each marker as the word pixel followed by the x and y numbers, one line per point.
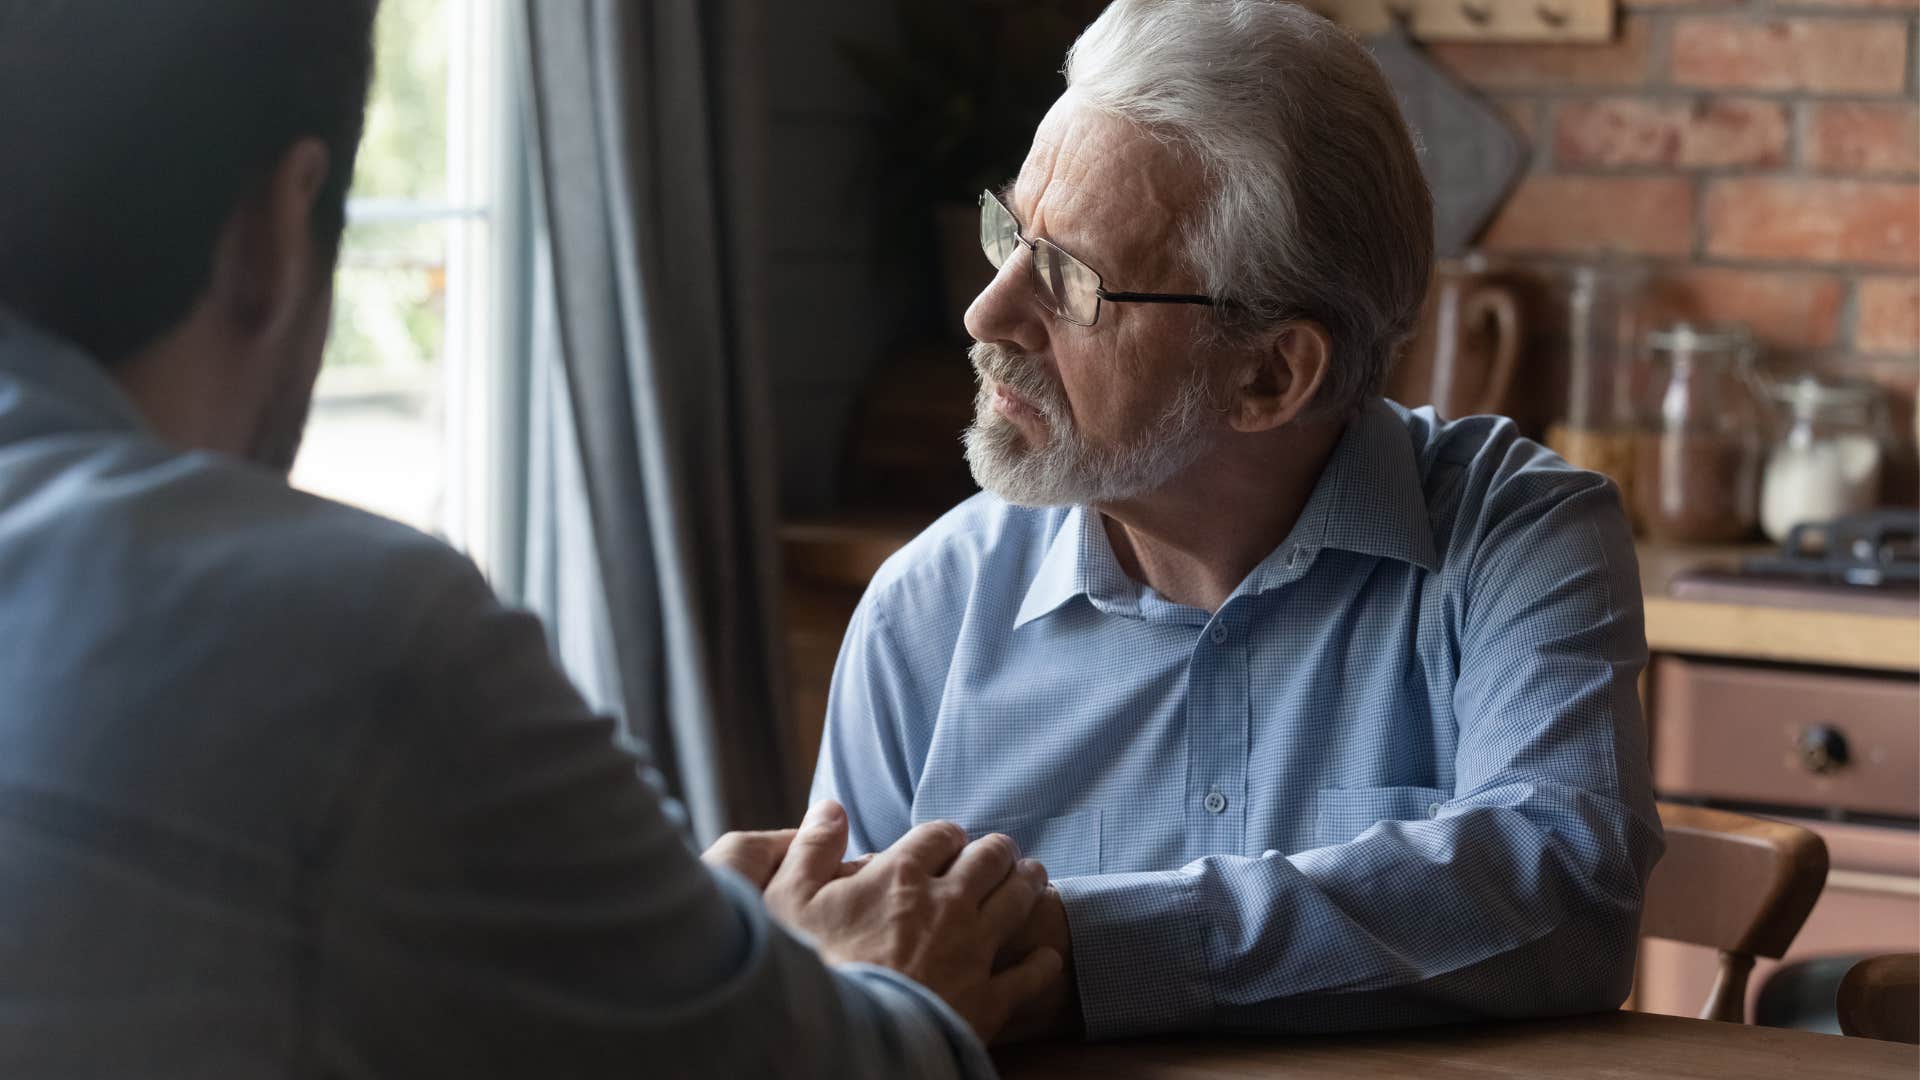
pixel 1215 802
pixel 1219 634
pixel 1433 809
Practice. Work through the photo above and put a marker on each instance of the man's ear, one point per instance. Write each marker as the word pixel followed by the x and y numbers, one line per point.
pixel 1280 377
pixel 266 258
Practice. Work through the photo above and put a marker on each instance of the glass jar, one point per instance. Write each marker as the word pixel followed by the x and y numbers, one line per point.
pixel 1596 428
pixel 1697 457
pixel 1827 454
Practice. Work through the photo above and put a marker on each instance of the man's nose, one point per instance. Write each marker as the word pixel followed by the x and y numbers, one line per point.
pixel 1006 311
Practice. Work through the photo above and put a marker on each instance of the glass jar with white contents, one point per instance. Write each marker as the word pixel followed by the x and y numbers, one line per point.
pixel 1826 458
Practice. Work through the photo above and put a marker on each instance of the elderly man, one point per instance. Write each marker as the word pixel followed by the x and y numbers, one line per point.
pixel 1321 712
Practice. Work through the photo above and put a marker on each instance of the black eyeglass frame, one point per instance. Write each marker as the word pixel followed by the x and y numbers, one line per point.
pixel 1100 291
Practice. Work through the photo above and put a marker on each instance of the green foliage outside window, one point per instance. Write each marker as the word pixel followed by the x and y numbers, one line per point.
pixel 390 293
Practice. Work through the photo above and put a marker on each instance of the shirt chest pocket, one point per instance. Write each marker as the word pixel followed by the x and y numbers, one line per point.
pixel 1345 813
pixel 1068 844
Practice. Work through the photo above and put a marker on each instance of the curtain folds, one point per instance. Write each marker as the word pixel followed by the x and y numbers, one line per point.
pixel 648 128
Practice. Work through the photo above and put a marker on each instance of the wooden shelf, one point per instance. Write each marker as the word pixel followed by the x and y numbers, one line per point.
pixel 846 549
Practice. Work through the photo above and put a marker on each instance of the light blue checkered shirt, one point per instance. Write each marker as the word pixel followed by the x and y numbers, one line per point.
pixel 1399 777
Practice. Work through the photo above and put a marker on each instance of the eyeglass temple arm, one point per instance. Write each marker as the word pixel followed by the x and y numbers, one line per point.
pixel 1154 298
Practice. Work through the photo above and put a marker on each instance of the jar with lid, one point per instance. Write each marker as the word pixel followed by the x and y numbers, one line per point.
pixel 1826 456
pixel 1596 428
pixel 1697 458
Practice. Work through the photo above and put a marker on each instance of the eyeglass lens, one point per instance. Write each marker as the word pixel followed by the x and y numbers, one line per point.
pixel 1065 284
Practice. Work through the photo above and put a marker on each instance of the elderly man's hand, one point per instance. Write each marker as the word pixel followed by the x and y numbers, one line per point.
pixel 933 907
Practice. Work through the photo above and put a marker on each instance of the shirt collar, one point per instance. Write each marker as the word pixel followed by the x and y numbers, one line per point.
pixel 1369 499
pixel 1079 561
pixel 65 372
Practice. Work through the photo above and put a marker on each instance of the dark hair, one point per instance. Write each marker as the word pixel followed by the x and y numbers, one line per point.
pixel 130 130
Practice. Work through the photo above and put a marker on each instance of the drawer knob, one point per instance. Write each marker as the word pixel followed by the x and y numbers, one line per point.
pixel 1822 748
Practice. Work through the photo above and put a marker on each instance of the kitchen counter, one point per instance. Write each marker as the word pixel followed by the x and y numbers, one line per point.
pixel 1744 631
pixel 845 550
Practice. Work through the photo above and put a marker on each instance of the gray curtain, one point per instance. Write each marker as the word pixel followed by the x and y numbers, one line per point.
pixel 648 122
pixel 560 575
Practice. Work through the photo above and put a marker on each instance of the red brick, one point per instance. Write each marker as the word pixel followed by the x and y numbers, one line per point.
pixel 1829 221
pixel 1788 310
pixel 1621 62
pixel 1889 316
pixel 1863 139
pixel 1634 214
pixel 1702 134
pixel 1865 56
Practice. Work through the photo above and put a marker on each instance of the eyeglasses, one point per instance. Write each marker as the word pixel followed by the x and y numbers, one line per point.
pixel 1066 286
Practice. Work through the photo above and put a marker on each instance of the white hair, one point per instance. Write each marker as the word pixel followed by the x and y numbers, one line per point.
pixel 1315 205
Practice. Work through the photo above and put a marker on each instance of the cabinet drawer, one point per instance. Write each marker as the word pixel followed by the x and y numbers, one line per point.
pixel 1785 737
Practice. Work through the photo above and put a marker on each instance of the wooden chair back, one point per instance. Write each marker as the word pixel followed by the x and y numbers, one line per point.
pixel 1880 998
pixel 1741 885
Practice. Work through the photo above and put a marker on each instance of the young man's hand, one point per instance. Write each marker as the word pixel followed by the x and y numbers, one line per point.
pixel 752 855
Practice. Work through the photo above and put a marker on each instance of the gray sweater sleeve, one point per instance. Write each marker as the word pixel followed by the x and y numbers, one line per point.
pixel 508 894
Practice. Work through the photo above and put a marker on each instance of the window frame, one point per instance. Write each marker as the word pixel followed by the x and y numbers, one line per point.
pixel 487 244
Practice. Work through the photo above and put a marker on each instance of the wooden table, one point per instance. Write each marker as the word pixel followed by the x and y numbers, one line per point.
pixel 1614 1046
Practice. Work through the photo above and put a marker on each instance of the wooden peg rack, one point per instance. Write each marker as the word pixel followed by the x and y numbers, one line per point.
pixel 1554 21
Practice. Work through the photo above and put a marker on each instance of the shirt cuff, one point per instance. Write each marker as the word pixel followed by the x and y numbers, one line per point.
pixel 941 1043
pixel 1139 953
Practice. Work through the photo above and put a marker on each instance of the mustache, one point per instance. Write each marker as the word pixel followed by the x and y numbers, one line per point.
pixel 1018 372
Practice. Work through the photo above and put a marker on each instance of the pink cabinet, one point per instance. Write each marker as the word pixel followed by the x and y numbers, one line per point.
pixel 1804 745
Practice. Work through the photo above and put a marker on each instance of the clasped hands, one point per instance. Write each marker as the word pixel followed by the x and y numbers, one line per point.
pixel 971 921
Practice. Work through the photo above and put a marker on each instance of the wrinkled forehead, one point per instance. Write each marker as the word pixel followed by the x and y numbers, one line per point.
pixel 1105 189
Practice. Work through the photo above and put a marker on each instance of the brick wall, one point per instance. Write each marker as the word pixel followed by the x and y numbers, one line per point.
pixel 1764 157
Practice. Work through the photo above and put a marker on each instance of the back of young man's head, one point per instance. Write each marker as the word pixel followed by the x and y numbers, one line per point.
pixel 131 130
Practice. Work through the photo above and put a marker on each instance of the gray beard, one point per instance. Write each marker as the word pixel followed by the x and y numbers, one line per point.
pixel 1069 471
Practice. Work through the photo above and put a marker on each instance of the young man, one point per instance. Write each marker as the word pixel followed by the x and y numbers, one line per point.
pixel 284 791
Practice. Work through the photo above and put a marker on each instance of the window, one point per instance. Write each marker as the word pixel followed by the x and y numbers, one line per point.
pixel 406 409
